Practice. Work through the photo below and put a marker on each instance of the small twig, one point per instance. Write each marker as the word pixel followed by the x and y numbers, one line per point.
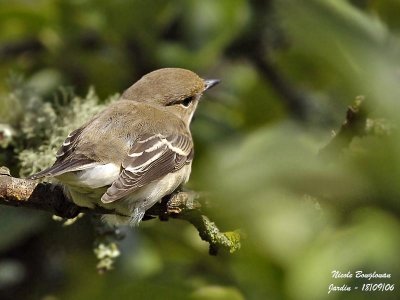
pixel 184 205
pixel 353 125
pixel 257 44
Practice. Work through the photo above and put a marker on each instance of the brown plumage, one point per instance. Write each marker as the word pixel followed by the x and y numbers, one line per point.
pixel 137 150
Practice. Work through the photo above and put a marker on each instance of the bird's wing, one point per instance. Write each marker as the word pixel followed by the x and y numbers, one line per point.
pixel 66 162
pixel 151 157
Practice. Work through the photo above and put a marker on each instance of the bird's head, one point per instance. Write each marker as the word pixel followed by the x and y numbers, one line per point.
pixel 176 90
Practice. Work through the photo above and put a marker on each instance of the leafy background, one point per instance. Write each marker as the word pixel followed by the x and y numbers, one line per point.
pixel 289 70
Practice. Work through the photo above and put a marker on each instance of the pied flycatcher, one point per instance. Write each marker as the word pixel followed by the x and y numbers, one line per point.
pixel 136 151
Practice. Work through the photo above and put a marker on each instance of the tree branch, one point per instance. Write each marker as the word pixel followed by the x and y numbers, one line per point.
pixel 257 44
pixel 50 197
pixel 353 125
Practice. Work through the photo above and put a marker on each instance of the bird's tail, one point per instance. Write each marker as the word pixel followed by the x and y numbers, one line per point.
pixel 63 167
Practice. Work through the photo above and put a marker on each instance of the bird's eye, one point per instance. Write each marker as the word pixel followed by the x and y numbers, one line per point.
pixel 186 102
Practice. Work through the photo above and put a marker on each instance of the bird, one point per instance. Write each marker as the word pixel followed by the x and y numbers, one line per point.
pixel 139 149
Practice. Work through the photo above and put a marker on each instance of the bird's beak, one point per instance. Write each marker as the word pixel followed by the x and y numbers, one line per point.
pixel 209 83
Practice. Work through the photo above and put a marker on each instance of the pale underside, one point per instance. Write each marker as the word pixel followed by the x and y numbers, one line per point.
pixel 86 188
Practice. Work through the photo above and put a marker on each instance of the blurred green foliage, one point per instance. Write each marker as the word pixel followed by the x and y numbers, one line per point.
pixel 289 70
